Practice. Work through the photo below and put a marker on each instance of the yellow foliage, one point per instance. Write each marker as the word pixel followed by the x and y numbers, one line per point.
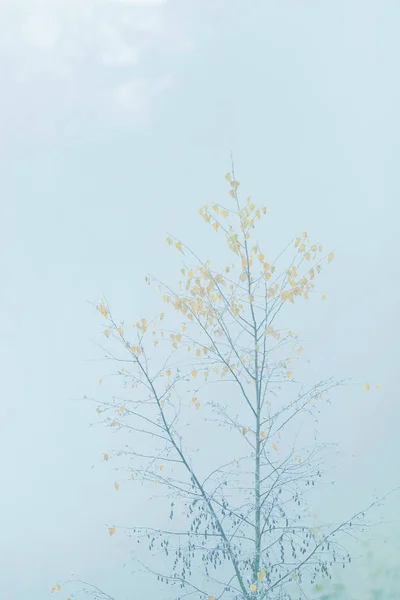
pixel 116 485
pixel 111 530
pixel 253 587
pixel 261 575
pixel 102 309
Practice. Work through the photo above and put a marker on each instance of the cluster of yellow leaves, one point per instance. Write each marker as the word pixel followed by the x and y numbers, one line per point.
pixel 102 309
pixel 196 402
pixel 301 286
pixel 177 244
pixel 367 386
pixel 273 290
pixel 136 350
pixel 56 588
pixel 141 325
pixel 247 216
pixel 271 331
pixel 204 297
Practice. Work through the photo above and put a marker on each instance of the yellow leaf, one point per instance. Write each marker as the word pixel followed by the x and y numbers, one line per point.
pixel 111 530
pixel 307 256
pixel 324 297
pixel 211 597
pixel 106 457
pixel 275 447
pixel 194 373
pixel 215 226
pixel 169 241
pixel 122 409
pixel 261 575
pixel 245 430
pixel 198 352
pixel 194 399
pixel 178 246
pixel 102 309
pixel 100 381
pixel 197 405
pixel 289 374
pixel 116 485
pixel 224 213
pixel 261 257
pixel 331 256
pixel 264 209
pixel 168 372
pixel 98 410
pixel 262 434
pixel 253 587
pixel 161 467
pixel 378 387
pixel 367 386
pixel 119 330
pixel 107 332
pixel 228 176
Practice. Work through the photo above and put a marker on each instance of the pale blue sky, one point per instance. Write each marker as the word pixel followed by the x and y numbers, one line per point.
pixel 116 123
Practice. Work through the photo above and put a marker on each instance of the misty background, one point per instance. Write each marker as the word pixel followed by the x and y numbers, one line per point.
pixel 117 119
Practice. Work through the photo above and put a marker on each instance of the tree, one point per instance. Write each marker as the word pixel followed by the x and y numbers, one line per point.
pixel 238 523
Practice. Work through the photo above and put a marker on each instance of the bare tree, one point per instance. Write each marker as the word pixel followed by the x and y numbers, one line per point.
pixel 238 523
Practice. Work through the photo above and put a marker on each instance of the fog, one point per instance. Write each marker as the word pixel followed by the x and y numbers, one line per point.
pixel 117 120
